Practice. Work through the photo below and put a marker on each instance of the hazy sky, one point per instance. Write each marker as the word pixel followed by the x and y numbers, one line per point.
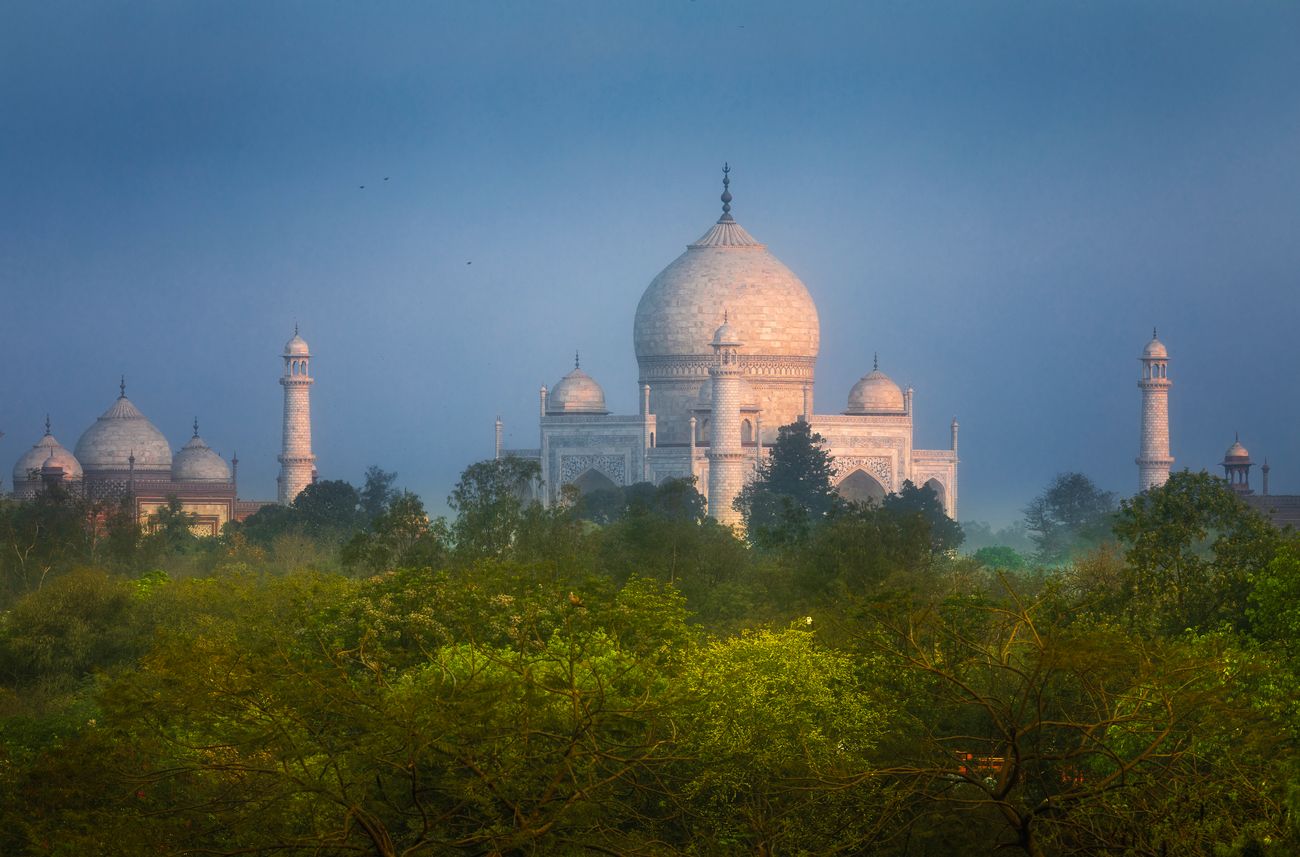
pixel 999 198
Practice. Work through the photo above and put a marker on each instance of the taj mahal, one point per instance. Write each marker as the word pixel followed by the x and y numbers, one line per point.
pixel 727 339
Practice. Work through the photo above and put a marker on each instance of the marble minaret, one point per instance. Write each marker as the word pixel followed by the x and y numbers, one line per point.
pixel 297 464
pixel 726 456
pixel 1154 460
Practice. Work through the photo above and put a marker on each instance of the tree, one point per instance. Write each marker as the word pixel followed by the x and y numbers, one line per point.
pixel 1035 732
pixel 1072 516
pixel 923 503
pixel 792 492
pixel 1192 548
pixel 378 492
pixel 765 776
pixel 170 530
pixel 329 510
pixel 489 500
pixel 401 536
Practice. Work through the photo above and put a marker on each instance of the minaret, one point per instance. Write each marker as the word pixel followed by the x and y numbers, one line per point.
pixel 726 457
pixel 297 464
pixel 1154 460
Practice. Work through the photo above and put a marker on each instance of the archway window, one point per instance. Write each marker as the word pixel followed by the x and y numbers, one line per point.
pixel 939 491
pixel 747 432
pixel 593 480
pixel 861 487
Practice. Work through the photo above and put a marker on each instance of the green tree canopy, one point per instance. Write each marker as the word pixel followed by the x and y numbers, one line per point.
pixel 489 501
pixel 1071 517
pixel 1191 549
pixel 792 492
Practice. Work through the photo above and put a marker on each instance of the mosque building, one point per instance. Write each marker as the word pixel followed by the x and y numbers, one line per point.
pixel 726 340
pixel 124 455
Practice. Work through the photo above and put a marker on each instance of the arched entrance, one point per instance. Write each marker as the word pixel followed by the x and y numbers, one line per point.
pixel 860 486
pixel 939 491
pixel 593 480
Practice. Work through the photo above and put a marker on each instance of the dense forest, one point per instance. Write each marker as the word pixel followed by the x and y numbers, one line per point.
pixel 618 674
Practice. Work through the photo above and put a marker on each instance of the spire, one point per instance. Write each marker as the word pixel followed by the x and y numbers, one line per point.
pixel 196 426
pixel 122 388
pixel 875 361
pixel 577 364
pixel 726 195
pixel 1153 332
pixel 47 425
pixel 726 316
pixel 295 328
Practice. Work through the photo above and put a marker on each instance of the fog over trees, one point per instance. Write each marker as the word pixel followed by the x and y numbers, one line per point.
pixel 619 674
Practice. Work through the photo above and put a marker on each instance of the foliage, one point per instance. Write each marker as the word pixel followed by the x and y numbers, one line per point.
pixel 792 492
pixel 1072 516
pixel 924 505
pixel 1191 548
pixel 377 492
pixel 999 556
pixel 620 674
pixel 489 500
pixel 400 536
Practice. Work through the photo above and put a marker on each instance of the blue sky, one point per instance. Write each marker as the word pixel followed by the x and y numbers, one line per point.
pixel 1000 198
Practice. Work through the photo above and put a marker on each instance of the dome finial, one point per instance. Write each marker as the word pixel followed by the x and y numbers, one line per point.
pixel 577 364
pixel 122 388
pixel 726 194
pixel 726 316
pixel 1153 332
pixel 875 361
pixel 295 328
pixel 47 425
pixel 196 426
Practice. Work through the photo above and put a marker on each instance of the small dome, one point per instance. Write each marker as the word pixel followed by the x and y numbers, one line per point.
pixel 296 347
pixel 875 393
pixel 198 462
pixel 1155 350
pixel 120 433
pixel 46 450
pixel 726 335
pixel 1236 452
pixel 576 393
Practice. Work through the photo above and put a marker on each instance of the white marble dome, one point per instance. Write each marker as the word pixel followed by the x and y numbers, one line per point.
pixel 44 450
pixel 875 393
pixel 120 433
pixel 576 393
pixel 1237 452
pixel 726 272
pixel 296 347
pixel 1155 349
pixel 198 462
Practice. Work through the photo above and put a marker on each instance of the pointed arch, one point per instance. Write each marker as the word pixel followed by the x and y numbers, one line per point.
pixel 860 486
pixel 593 480
pixel 939 490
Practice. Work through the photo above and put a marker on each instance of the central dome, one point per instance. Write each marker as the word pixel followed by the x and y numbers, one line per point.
pixel 726 273
pixel 120 433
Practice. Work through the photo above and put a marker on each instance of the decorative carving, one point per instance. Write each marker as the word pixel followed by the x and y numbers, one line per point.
pixel 613 466
pixel 879 466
